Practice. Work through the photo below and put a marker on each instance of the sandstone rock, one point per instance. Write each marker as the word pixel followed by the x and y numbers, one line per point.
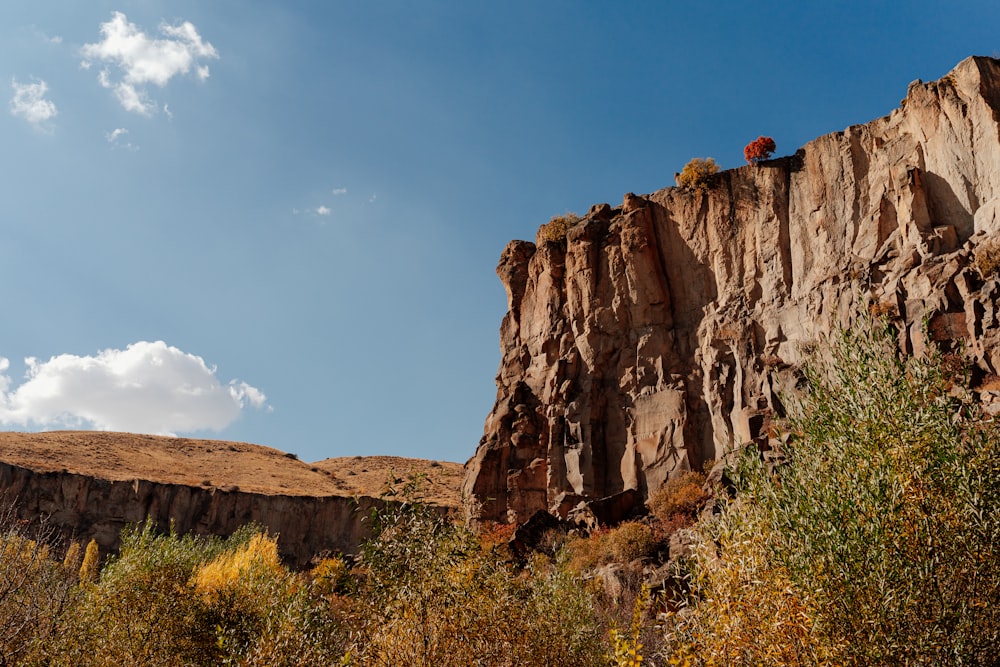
pixel 617 579
pixel 84 508
pixel 609 511
pixel 682 543
pixel 662 333
pixel 536 534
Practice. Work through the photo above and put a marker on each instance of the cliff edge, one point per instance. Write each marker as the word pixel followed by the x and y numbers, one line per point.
pixel 91 484
pixel 660 333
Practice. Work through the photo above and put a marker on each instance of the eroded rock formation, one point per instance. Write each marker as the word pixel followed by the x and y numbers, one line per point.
pixel 660 332
pixel 91 484
pixel 81 508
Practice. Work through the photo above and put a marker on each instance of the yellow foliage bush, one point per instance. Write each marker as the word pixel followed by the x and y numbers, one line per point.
pixel 91 558
pixel 875 543
pixel 34 588
pixel 696 174
pixel 238 571
pixel 629 541
pixel 331 575
pixel 622 544
pixel 556 228
pixel 434 595
pixel 742 608
pixel 677 503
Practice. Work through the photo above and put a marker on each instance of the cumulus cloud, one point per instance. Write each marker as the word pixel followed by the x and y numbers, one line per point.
pixel 30 104
pixel 339 191
pixel 145 388
pixel 142 60
pixel 323 210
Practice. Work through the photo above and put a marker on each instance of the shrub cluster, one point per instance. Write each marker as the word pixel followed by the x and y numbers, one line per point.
pixel 877 543
pixel 433 595
pixel 425 591
pixel 622 544
pixel 555 229
pixel 677 503
pixel 696 174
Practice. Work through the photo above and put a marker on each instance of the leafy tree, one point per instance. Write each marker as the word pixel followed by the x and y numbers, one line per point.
pixel 759 149
pixel 877 542
pixel 696 174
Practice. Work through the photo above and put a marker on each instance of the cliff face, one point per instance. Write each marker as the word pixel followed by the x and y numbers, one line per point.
pixel 661 332
pixel 82 507
pixel 89 484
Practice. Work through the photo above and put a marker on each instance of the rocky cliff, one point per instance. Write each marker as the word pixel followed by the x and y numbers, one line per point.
pixel 660 333
pixel 81 507
pixel 90 485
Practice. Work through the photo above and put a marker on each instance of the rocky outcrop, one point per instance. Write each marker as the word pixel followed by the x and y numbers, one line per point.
pixel 661 332
pixel 81 507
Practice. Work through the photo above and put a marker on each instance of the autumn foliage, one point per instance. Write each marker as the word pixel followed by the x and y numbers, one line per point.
pixel 759 149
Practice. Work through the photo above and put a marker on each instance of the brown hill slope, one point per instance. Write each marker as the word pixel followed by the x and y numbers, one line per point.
pixel 92 484
pixel 223 464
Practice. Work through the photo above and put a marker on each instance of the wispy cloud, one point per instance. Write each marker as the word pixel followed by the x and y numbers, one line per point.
pixel 142 60
pixel 339 191
pixel 145 388
pixel 30 104
pixel 115 138
pixel 321 210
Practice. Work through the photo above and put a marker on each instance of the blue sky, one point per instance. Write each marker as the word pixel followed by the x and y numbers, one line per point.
pixel 278 222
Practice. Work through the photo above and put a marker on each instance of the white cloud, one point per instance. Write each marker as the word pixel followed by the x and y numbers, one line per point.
pixel 371 200
pixel 339 191
pixel 142 60
pixel 145 388
pixel 322 210
pixel 30 104
pixel 57 39
pixel 115 135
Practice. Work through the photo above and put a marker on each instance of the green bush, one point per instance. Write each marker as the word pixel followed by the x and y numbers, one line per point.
pixel 877 543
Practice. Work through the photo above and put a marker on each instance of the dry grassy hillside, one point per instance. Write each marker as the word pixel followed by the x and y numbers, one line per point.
pixel 224 464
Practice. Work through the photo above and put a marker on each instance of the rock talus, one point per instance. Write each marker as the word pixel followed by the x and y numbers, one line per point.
pixel 661 332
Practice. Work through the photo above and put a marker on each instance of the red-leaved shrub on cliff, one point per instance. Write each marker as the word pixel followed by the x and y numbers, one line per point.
pixel 759 149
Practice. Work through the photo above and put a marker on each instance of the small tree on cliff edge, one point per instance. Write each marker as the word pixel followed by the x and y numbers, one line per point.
pixel 759 149
pixel 696 173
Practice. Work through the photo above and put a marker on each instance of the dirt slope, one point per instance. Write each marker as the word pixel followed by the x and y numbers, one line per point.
pixel 223 464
